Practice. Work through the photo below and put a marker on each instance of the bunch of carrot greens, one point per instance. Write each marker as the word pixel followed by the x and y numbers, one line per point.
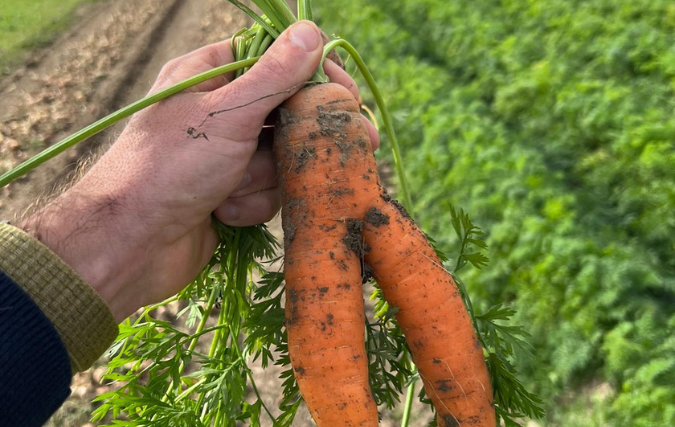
pixel 154 361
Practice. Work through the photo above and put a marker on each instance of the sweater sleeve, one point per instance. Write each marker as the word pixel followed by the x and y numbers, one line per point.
pixel 52 324
pixel 34 365
pixel 82 319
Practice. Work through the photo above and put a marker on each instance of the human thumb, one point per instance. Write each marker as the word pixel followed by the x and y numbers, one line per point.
pixel 290 62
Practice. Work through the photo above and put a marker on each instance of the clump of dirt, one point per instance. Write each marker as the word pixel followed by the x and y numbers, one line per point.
pixel 284 121
pixel 328 229
pixel 305 156
pixel 444 385
pixel 376 217
pixel 387 198
pixel 339 192
pixel 354 240
pixel 328 322
pixel 345 148
pixel 291 306
pixel 288 222
pixel 333 123
pixel 449 421
pixel 366 272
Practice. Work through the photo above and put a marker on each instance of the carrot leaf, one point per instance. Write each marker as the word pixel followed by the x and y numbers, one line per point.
pixel 501 342
pixel 388 355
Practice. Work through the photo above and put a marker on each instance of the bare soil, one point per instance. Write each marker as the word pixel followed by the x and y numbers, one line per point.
pixel 108 59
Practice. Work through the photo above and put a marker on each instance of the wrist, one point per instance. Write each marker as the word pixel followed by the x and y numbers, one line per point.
pixel 87 233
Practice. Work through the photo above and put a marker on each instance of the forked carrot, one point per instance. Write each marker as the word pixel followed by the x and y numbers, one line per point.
pixel 335 215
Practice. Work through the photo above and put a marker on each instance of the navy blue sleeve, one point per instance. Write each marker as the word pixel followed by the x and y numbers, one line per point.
pixel 34 364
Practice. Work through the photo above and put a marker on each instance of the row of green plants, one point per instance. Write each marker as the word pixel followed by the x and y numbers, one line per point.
pixel 553 123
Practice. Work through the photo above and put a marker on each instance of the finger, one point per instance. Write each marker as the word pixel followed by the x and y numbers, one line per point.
pixel 252 209
pixel 196 62
pixel 340 76
pixel 261 172
pixel 290 62
pixel 373 133
pixel 208 245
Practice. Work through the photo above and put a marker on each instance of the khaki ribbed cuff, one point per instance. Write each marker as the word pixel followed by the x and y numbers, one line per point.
pixel 83 320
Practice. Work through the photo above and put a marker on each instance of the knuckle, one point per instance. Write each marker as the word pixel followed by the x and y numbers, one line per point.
pixel 169 68
pixel 273 67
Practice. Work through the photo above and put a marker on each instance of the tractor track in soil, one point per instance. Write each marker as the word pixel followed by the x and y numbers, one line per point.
pixel 107 59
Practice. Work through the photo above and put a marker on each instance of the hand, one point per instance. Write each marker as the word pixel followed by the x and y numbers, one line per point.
pixel 137 227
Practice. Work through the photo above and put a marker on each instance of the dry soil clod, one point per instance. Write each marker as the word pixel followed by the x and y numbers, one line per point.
pixel 376 217
pixel 354 240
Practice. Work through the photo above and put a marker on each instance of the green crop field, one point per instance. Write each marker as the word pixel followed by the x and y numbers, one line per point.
pixel 552 122
pixel 26 24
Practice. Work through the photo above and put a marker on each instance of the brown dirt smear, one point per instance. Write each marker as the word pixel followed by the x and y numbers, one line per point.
pixel 354 240
pixel 375 217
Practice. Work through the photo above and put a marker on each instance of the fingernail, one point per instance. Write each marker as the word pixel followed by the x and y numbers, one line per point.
pixel 304 36
pixel 244 182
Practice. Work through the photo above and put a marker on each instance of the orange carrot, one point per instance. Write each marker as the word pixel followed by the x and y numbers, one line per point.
pixel 432 316
pixel 336 217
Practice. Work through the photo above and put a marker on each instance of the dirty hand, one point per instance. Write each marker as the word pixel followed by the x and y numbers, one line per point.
pixel 137 227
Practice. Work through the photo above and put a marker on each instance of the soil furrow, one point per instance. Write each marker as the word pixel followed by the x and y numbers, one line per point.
pixel 69 86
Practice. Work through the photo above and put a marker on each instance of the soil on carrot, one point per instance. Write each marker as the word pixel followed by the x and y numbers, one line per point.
pixel 376 217
pixel 289 226
pixel 332 123
pixel 449 421
pixel 354 240
pixel 387 198
pixel 292 299
pixel 366 272
pixel 305 156
pixel 285 118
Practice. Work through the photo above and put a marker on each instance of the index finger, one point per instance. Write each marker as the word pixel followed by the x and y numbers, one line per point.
pixel 198 61
pixel 337 75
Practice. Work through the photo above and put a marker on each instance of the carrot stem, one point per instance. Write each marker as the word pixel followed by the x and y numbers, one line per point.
pixel 260 20
pixel 205 317
pixel 254 47
pixel 305 10
pixel 410 395
pixel 115 117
